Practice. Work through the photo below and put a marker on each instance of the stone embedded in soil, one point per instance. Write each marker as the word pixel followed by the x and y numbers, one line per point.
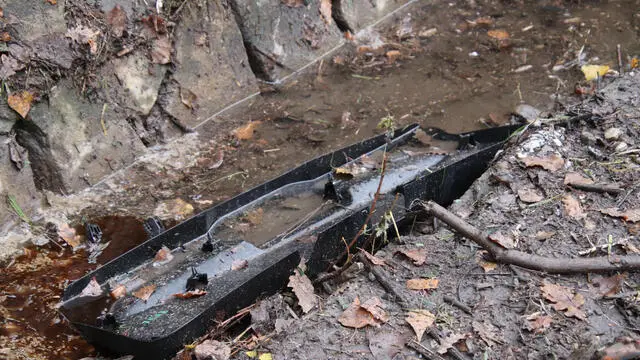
pixel 357 15
pixel 140 81
pixel 613 134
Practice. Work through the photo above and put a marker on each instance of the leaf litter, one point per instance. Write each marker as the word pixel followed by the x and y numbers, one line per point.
pixel 303 288
pixel 417 256
pixel 420 320
pixel 564 300
pixel 357 315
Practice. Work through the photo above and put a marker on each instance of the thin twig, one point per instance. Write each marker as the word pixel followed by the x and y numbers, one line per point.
pixel 455 302
pixel 599 188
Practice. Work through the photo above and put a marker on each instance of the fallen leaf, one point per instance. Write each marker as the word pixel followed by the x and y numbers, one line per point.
pixel 21 102
pixel 420 320
pixel 246 132
pixel 265 356
pixel 392 56
pixel 484 264
pixel 449 341
pixel 118 292
pixel 575 178
pixel 163 255
pixel 176 209
pixel 422 284
pixel 303 289
pixel 552 162
pixel 498 34
pixel 9 66
pixel 592 72
pixel 373 259
pixel 325 11
pixel 544 235
pixel 376 308
pixel 609 286
pixel 93 288
pixel 418 256
pixel 572 207
pixel 68 234
pixel 161 50
pixel 529 195
pixel 212 350
pixel 188 98
pixel 52 2
pixel 191 294
pixel 538 323
pixel 503 240
pixel 117 20
pixel 239 264
pixel 488 332
pixel 293 3
pixel 5 37
pixel 254 217
pixel 357 317
pixel 564 300
pixel 84 35
pixel 144 293
pixel 632 215
pixel 154 26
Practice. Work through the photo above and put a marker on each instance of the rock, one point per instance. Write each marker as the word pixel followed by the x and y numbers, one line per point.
pixel 281 39
pixel 212 350
pixel 140 79
pixel 8 117
pixel 212 69
pixel 528 112
pixel 357 15
pixel 34 20
pixel 588 138
pixel 612 134
pixel 68 148
pixel 621 146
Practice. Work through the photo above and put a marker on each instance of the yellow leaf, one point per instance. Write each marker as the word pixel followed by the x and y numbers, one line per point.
pixel 265 356
pixel 422 284
pixel 21 103
pixel 252 354
pixel 592 72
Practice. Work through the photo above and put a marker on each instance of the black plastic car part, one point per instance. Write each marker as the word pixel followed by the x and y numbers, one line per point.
pixel 245 248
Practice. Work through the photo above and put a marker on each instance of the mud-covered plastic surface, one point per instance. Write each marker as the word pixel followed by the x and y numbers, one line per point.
pixel 230 255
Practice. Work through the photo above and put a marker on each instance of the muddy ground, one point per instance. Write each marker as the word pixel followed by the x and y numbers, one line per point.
pixel 435 80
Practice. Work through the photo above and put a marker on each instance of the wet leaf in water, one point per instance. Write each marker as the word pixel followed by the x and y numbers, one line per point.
pixel 303 289
pixel 190 294
pixel 418 256
pixel 609 286
pixel 632 215
pixel 374 259
pixel 357 317
pixel 592 72
pixel 161 50
pixel 449 341
pixel 117 20
pixel 68 234
pixel 163 255
pixel 552 162
pixel 188 98
pixel 246 132
pixel 92 289
pixel 144 293
pixel 325 11
pixel 420 320
pixel 503 240
pixel 529 195
pixel 498 34
pixel 118 292
pixel 564 300
pixel 21 102
pixel 572 207
pixel 488 332
pixel 239 264
pixel 538 323
pixel 376 308
pixel 575 178
pixel 422 284
pixel 212 349
pixel 485 264
pixel 254 217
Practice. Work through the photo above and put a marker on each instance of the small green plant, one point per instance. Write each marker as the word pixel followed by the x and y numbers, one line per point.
pixel 387 124
pixel 13 203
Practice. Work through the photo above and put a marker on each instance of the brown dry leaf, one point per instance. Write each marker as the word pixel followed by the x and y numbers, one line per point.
pixel 357 317
pixel 52 2
pixel 420 320
pixel 481 21
pixel 303 288
pixel 529 195
pixel 422 284
pixel 632 215
pixel 117 20
pixel 118 292
pixel 163 255
pixel 564 300
pixel 190 294
pixel 538 323
pixel 376 308
pixel 144 293
pixel 374 259
pixel 392 56
pixel 325 11
pixel 21 102
pixel 609 286
pixel 503 240
pixel 161 50
pixel 498 34
pixel 575 178
pixel 488 332
pixel 572 207
pixel 246 132
pixel 293 3
pixel 448 342
pixel 239 264
pixel 552 162
pixel 484 264
pixel 5 37
pixel 254 217
pixel 93 288
pixel 1 12
pixel 188 98
pixel 418 256
pixel 68 234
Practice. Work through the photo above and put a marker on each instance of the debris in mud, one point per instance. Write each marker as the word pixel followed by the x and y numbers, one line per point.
pixel 163 256
pixel 118 292
pixel 239 264
pixel 538 323
pixel 92 289
pixel 304 291
pixel 420 321
pixel 564 299
pixel 631 215
pixel 190 294
pixel 68 234
pixel 552 162
pixel 418 256
pixel 212 350
pixel 21 102
pixel 144 293
pixel 246 132
pixel 176 209
pixel 359 315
